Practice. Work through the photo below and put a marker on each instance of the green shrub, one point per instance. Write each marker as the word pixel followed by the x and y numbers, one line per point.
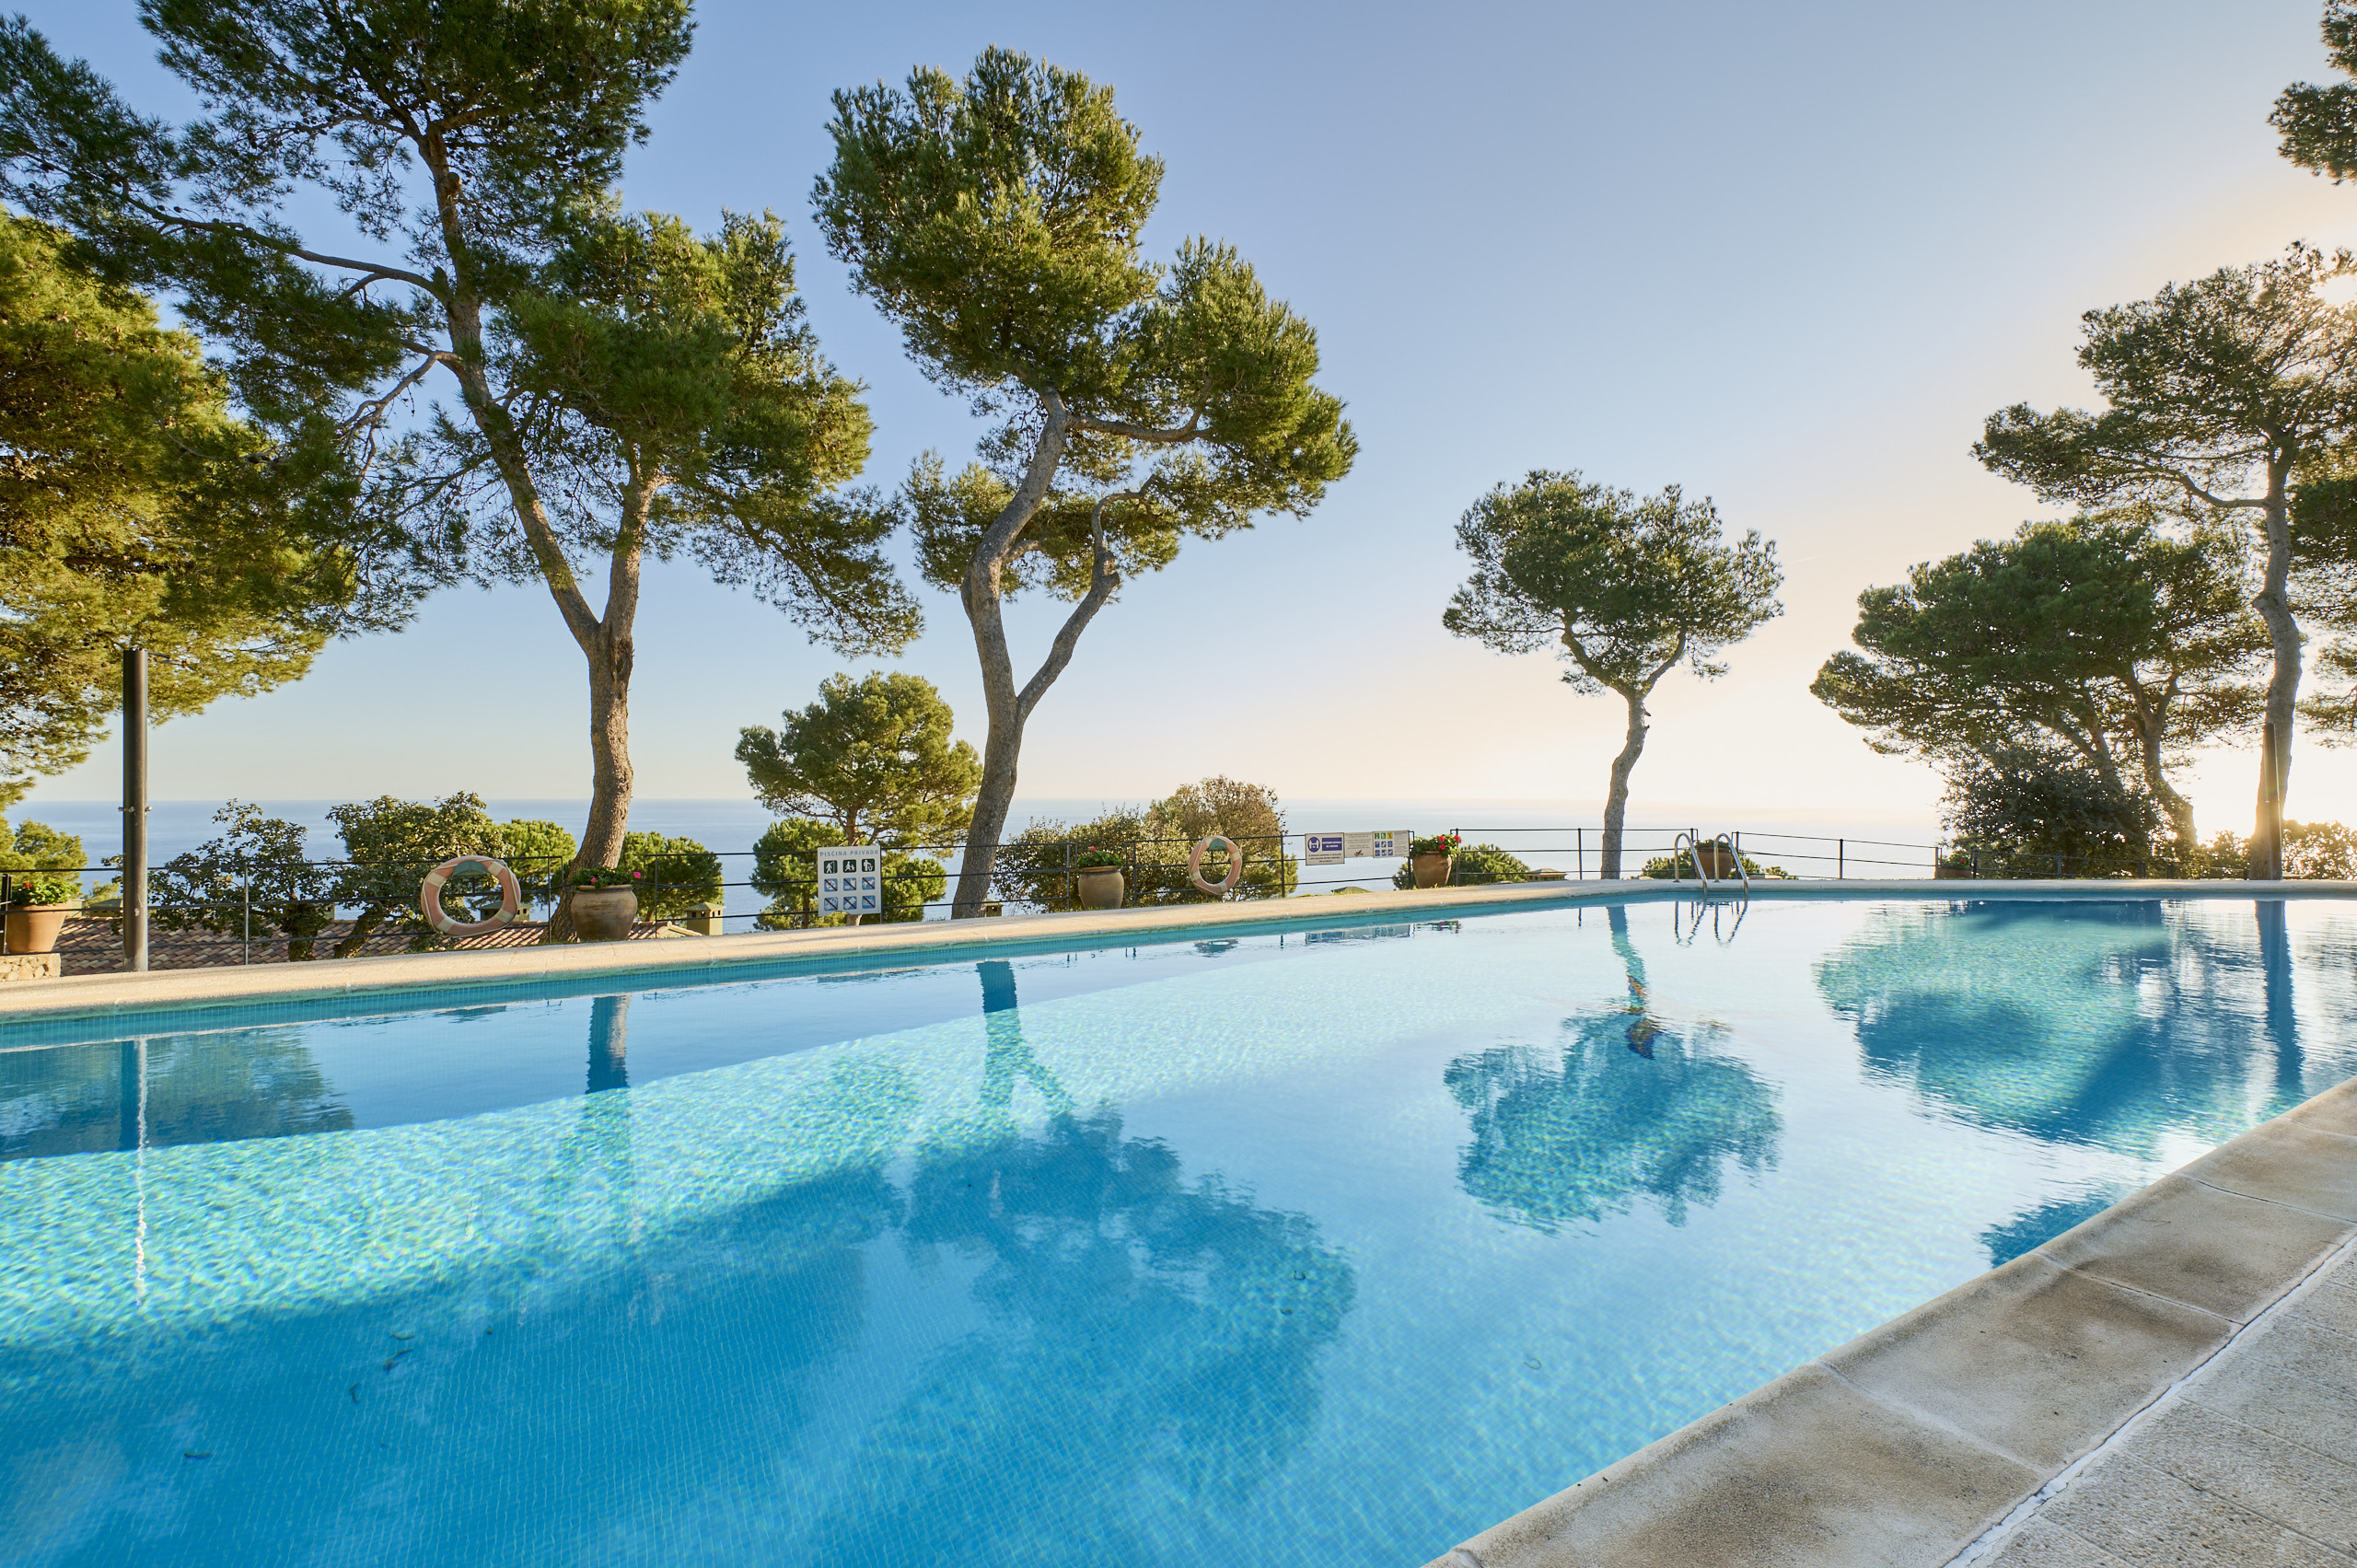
pixel 1472 865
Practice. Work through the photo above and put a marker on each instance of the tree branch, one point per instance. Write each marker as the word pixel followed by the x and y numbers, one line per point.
pixel 1102 581
pixel 1185 433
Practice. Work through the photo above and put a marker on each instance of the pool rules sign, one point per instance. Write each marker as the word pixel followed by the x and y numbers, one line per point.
pixel 1332 849
pixel 851 880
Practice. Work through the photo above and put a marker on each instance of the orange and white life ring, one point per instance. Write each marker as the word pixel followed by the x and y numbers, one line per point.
pixel 429 896
pixel 1234 864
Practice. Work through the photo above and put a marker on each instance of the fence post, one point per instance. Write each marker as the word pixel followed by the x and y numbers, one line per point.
pixel 134 810
pixel 2058 867
pixel 1841 859
pixel 5 895
pixel 1579 854
pixel 246 899
pixel 1071 889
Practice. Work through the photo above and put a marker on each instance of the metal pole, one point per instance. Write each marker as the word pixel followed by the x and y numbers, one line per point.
pixel 134 809
pixel 1841 858
pixel 246 897
pixel 1579 852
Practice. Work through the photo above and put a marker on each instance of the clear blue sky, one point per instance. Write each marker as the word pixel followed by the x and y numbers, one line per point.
pixel 1788 257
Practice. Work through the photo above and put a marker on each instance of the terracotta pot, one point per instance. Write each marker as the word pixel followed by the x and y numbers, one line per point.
pixel 33 928
pixel 1941 871
pixel 1100 887
pixel 1432 870
pixel 1716 860
pixel 604 914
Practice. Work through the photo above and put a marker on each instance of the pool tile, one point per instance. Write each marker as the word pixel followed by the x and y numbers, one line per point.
pixel 2040 1362
pixel 1750 1485
pixel 2218 1251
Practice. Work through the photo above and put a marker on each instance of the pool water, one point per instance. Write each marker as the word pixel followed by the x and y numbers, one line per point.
pixel 1326 1246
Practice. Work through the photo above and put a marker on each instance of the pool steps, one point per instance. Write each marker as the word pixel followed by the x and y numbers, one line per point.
pixel 1965 1430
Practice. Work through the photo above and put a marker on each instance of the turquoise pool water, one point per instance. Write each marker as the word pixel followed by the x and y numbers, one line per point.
pixel 1323 1247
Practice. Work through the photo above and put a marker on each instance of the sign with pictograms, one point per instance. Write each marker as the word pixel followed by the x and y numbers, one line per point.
pixel 851 880
pixel 1332 849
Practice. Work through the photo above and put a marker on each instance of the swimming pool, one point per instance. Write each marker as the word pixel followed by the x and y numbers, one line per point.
pixel 1327 1245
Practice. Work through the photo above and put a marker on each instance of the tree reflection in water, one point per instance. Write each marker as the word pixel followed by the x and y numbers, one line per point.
pixel 2102 1024
pixel 71 1100
pixel 1143 1332
pixel 1631 1105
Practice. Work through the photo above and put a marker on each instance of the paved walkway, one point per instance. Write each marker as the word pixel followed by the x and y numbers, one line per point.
pixel 2251 1461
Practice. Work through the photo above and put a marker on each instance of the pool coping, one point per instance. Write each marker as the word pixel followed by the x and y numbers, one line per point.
pixel 709 959
pixel 1906 1447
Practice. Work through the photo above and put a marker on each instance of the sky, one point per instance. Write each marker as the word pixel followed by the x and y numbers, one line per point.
pixel 1786 256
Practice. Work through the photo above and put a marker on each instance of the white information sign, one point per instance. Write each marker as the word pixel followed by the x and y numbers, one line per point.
pixel 851 880
pixel 1332 849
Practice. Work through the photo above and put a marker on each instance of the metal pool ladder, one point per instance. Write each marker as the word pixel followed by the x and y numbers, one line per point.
pixel 1690 844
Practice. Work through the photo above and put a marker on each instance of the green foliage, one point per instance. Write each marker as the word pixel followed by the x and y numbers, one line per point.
pixel 26 887
pixel 2102 632
pixel 37 846
pixel 259 871
pixel 1470 865
pixel 1629 587
pixel 875 757
pixel 1094 858
pixel 2203 384
pixel 1151 845
pixel 538 851
pixel 675 399
pixel 676 875
pixel 783 873
pixel 1666 868
pixel 996 221
pixel 2320 124
pixel 625 387
pixel 2311 850
pixel 136 510
pixel 389 845
pixel 2015 812
pixel 1435 843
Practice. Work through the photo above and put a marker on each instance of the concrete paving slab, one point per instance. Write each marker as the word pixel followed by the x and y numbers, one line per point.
pixel 2041 1545
pixel 1751 1486
pixel 2311 1493
pixel 2331 1306
pixel 2040 1362
pixel 2304 1165
pixel 2152 1520
pixel 2217 1250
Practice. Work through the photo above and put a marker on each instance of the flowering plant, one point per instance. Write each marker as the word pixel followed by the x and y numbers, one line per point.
pixel 1439 843
pixel 1093 857
pixel 596 878
pixel 42 888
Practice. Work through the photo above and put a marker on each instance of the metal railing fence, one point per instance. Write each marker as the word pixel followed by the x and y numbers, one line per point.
pixel 264 910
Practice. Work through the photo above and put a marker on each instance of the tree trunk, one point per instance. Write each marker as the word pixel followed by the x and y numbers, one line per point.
pixel 2274 606
pixel 1616 798
pixel 2151 723
pixel 1001 748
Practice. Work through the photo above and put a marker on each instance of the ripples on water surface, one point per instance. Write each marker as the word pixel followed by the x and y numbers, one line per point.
pixel 1328 1247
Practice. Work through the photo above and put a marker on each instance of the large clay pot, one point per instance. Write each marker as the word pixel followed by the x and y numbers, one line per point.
pixel 1100 887
pixel 1432 870
pixel 604 914
pixel 1717 861
pixel 33 928
pixel 1942 870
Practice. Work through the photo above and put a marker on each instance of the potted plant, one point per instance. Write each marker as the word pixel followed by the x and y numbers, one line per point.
pixel 1096 878
pixel 605 902
pixel 39 903
pixel 1429 858
pixel 1955 862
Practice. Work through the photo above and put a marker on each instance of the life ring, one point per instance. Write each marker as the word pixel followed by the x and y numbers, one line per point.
pixel 1235 865
pixel 429 896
